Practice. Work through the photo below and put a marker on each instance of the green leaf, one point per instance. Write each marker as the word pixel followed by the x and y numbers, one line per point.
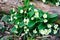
pixel 32 7
pixel 41 20
pixel 40 13
pixel 11 11
pixel 41 26
pixel 53 15
pixel 31 24
pixel 5 38
pixel 16 22
pixel 31 13
pixel 5 18
pixel 19 8
pixel 26 3
pixel 21 24
pixel 13 29
pixel 53 19
pixel 1 26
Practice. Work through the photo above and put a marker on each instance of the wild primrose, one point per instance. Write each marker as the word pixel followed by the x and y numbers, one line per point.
pixel 31 21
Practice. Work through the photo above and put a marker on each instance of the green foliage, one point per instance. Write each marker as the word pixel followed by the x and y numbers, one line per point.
pixel 55 2
pixel 31 21
pixel 26 3
pixel 2 28
pixel 5 18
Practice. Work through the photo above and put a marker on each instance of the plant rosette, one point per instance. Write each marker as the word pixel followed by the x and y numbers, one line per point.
pixel 31 21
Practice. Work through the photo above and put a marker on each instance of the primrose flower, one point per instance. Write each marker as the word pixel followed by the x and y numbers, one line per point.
pixel 49 25
pixel 32 18
pixel 47 31
pixel 30 8
pixel 25 27
pixel 34 31
pixel 21 11
pixel 55 31
pixel 27 30
pixel 35 10
pixel 42 32
pixel 44 0
pixel 56 26
pixel 36 15
pixel 16 26
pixel 26 21
pixel 57 3
pixel 15 17
pixel 45 20
pixel 45 16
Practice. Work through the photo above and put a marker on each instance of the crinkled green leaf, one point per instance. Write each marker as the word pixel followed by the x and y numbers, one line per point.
pixel 19 8
pixel 41 26
pixel 53 15
pixel 41 20
pixel 13 29
pixel 53 19
pixel 31 13
pixel 21 24
pixel 31 24
pixel 11 11
pixel 26 3
pixel 40 13
pixel 5 18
